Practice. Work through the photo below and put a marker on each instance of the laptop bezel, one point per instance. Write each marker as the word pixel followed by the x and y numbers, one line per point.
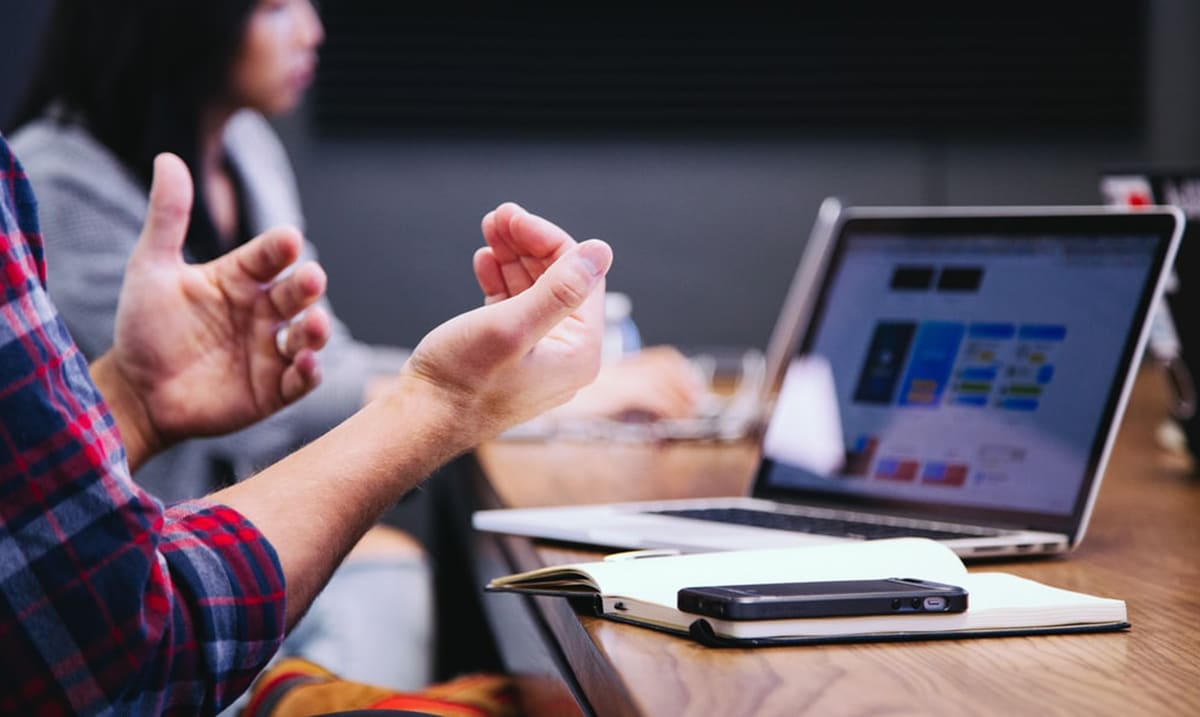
pixel 1165 223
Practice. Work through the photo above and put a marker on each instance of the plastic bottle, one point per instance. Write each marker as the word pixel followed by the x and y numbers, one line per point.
pixel 621 335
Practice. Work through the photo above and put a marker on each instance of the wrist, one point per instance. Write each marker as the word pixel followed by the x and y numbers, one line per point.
pixel 142 440
pixel 453 419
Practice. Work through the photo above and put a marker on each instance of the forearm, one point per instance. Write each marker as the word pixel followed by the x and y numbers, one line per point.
pixel 314 505
pixel 137 432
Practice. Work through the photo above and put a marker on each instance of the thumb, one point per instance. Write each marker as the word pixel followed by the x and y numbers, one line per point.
pixel 170 208
pixel 563 288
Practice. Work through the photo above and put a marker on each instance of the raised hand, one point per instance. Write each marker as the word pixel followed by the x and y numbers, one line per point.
pixel 536 342
pixel 209 348
pixel 520 247
pixel 655 383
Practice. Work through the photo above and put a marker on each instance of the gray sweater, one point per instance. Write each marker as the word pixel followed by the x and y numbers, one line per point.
pixel 91 210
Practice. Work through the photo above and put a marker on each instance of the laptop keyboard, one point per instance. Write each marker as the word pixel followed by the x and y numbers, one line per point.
pixel 818 526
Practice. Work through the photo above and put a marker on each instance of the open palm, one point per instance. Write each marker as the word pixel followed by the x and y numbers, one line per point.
pixel 537 340
pixel 197 343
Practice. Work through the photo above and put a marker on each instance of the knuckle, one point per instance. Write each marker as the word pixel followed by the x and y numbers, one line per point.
pixel 568 293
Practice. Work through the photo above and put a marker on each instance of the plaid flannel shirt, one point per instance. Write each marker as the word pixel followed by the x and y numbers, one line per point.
pixel 109 603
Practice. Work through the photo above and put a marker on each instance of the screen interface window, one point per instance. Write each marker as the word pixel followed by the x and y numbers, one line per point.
pixel 964 370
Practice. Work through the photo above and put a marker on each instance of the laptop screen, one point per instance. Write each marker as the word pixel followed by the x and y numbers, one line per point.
pixel 965 367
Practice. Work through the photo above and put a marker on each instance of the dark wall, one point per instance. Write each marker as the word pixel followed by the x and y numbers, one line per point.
pixel 707 232
pixel 706 235
pixel 20 20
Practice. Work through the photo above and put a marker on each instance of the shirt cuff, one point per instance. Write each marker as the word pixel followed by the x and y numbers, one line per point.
pixel 236 612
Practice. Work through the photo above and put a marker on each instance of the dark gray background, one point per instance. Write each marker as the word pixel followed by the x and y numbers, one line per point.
pixel 707 232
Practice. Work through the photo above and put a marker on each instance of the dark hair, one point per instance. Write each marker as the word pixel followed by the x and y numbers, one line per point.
pixel 137 73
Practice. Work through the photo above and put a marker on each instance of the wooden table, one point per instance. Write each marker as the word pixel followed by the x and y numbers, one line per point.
pixel 1143 546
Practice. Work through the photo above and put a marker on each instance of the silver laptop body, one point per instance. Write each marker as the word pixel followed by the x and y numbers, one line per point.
pixel 955 373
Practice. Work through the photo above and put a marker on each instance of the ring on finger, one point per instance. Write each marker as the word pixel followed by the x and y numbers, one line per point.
pixel 281 341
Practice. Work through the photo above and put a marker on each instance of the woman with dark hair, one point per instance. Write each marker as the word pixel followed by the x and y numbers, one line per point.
pixel 123 80
pixel 144 77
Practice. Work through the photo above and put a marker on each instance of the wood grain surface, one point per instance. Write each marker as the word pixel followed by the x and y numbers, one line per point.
pixel 1143 546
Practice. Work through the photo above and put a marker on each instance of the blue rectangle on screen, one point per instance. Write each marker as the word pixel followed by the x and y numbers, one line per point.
pixel 971 400
pixel 991 331
pixel 1020 404
pixel 978 373
pixel 1045 373
pixel 884 360
pixel 1043 332
pixel 934 471
pixel 934 352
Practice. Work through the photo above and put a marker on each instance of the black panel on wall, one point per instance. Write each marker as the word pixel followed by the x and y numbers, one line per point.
pixel 965 68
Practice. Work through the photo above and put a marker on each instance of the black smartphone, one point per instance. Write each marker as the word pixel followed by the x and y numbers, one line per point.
pixel 838 598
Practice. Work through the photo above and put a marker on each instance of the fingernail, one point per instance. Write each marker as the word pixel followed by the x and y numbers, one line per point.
pixel 596 256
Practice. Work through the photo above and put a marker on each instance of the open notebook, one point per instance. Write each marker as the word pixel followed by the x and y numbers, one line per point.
pixel 643 591
pixel 960 375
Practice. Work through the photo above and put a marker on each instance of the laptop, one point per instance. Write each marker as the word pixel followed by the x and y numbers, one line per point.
pixel 957 374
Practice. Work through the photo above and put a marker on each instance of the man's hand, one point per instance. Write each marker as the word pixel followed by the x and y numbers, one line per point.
pixel 535 343
pixel 196 350
pixel 658 382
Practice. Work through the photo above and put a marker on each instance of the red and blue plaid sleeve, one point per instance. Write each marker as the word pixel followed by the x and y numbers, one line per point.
pixel 109 603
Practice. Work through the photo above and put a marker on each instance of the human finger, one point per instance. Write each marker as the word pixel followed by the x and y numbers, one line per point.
pixel 298 290
pixel 169 210
pixel 532 242
pixel 561 290
pixel 265 256
pixel 536 237
pixel 310 331
pixel 659 405
pixel 538 242
pixel 300 377
pixel 495 227
pixel 675 372
pixel 487 273
pixel 495 233
pixel 673 399
pixel 517 276
pixel 656 393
